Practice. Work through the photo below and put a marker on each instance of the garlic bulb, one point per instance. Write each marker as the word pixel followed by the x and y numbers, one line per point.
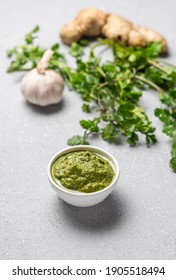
pixel 41 86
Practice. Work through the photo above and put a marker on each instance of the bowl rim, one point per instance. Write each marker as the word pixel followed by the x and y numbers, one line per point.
pixel 79 148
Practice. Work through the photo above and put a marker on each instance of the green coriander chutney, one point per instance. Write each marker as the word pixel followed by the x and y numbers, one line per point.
pixel 82 171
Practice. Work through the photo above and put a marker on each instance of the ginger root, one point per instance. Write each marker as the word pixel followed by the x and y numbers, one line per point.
pixel 123 30
pixel 71 32
pixel 88 22
pixel 92 22
pixel 117 27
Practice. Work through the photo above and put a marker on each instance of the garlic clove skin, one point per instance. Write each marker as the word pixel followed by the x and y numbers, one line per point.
pixel 42 89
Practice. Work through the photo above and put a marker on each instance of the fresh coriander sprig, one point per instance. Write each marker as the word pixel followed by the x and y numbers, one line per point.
pixel 114 88
pixel 26 56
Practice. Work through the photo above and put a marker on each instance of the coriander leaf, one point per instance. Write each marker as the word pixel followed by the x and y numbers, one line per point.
pixel 77 140
pixel 162 114
pixel 133 139
pixel 86 108
pixel 173 163
pixel 89 125
pixel 55 47
pixel 84 42
pixel 169 130
pixel 76 50
pixel 168 97
pixel 150 139
pixel 109 131
pixel 173 155
pixel 29 38
pixel 153 50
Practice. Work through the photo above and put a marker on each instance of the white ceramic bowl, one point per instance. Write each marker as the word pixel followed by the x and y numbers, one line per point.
pixel 82 199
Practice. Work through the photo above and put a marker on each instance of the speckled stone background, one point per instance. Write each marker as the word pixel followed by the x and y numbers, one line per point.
pixel 138 221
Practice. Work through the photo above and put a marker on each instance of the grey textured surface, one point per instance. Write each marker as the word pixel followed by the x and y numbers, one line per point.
pixel 138 221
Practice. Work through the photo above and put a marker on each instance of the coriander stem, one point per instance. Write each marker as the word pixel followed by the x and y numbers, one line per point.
pixel 99 102
pixel 101 72
pixel 146 81
pixel 18 70
pixel 157 65
pixel 102 85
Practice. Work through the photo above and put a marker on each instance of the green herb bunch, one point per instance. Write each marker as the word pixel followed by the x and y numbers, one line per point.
pixel 116 87
pixel 112 88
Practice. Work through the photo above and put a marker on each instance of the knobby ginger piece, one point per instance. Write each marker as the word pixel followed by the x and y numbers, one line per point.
pixel 117 27
pixel 152 36
pixel 71 32
pixel 92 22
pixel 88 22
pixel 123 30
pixel 136 39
